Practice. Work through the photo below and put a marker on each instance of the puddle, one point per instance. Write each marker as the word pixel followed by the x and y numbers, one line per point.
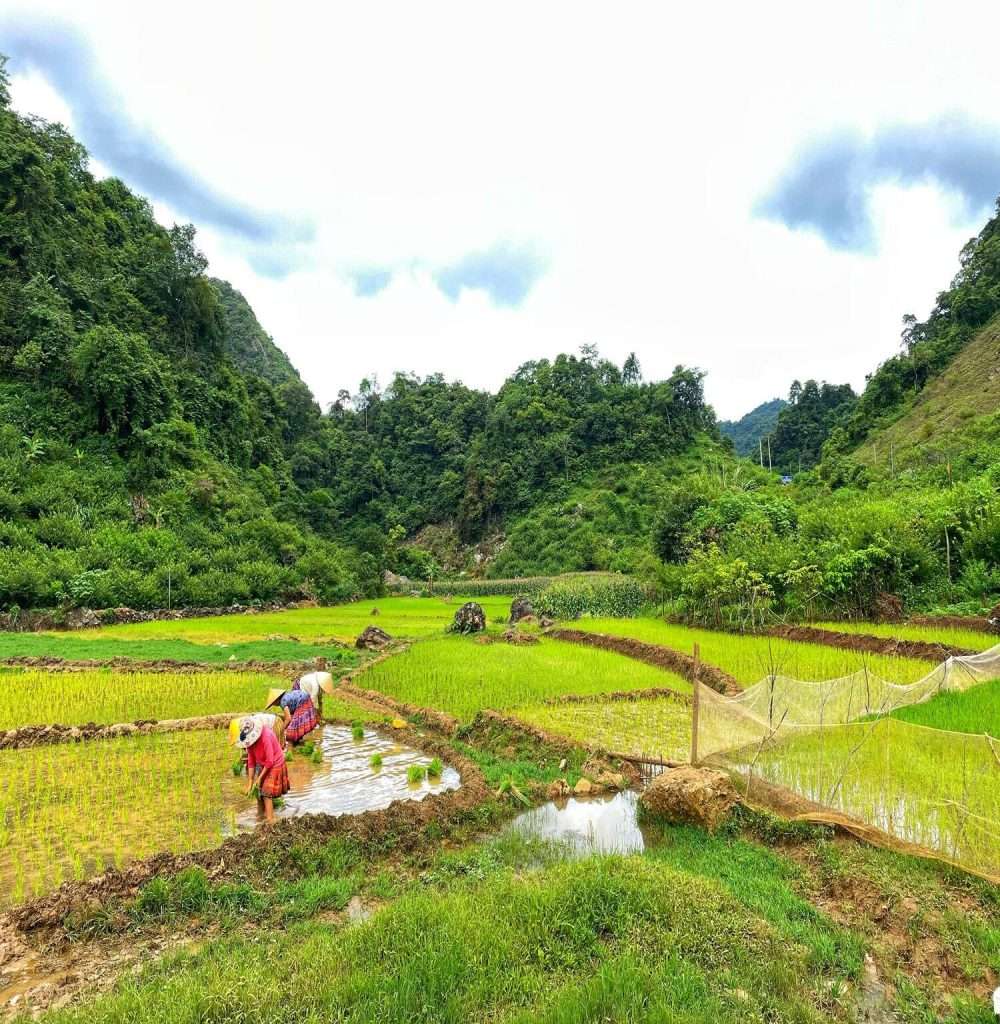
pixel 345 782
pixel 597 824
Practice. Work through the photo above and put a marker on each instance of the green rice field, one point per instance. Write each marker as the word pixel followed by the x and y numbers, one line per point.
pixel 408 617
pixel 976 710
pixel 654 727
pixel 105 696
pixel 460 676
pixel 751 658
pixel 970 639
pixel 71 810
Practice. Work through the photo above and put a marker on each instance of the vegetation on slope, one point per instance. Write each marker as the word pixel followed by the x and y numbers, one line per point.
pixel 747 431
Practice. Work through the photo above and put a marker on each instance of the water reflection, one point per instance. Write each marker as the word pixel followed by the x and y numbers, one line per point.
pixel 598 824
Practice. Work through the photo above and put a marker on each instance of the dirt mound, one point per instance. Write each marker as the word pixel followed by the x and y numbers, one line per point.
pixel 290 669
pixel 373 639
pixel 654 654
pixel 690 795
pixel 43 735
pixel 977 623
pixel 470 618
pixel 868 643
pixel 519 639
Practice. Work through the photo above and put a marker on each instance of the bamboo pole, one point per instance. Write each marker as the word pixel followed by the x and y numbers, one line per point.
pixel 695 702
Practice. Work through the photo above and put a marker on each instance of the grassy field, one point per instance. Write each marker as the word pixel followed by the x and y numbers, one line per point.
pixel 85 645
pixel 104 696
pixel 976 710
pixel 751 658
pixel 971 639
pixel 409 617
pixel 657 727
pixel 460 676
pixel 623 939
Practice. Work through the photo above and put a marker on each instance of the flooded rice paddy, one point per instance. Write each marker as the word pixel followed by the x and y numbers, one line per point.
pixel 71 811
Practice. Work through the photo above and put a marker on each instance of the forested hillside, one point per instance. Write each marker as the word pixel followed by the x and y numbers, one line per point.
pixel 747 432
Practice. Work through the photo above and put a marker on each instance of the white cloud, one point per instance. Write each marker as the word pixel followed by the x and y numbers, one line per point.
pixel 629 143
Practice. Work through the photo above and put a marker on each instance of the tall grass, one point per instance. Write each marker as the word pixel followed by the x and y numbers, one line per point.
pixel 103 696
pixel 460 676
pixel 751 658
pixel 597 939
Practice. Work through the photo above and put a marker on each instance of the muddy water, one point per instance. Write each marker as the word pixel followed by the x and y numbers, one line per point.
pixel 344 782
pixel 597 824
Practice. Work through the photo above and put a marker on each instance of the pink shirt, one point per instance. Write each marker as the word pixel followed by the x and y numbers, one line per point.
pixel 265 753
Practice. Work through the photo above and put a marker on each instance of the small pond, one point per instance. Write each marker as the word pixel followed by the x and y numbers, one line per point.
pixel 596 824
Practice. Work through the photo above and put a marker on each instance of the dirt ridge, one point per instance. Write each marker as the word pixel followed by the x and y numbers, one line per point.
pixel 44 735
pixel 650 693
pixel 867 643
pixel 654 654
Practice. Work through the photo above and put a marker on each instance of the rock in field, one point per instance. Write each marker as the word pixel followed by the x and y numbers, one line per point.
pixel 470 618
pixel 520 608
pixel 690 795
pixel 372 639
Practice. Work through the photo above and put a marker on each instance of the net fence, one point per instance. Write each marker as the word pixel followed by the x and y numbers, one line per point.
pixel 834 744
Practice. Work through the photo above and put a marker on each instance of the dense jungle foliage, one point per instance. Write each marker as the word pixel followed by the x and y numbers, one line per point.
pixel 748 430
pixel 156 447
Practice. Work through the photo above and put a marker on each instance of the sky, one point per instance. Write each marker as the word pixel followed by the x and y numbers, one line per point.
pixel 758 190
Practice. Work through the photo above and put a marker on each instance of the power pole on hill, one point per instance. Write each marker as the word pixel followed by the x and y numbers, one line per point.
pixel 769 466
pixel 760 442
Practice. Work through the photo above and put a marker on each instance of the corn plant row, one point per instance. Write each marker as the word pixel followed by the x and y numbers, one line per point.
pixel 102 696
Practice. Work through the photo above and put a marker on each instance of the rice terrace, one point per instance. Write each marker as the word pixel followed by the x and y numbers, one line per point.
pixel 449 656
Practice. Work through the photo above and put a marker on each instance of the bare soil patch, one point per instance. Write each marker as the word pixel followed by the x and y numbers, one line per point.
pixel 869 644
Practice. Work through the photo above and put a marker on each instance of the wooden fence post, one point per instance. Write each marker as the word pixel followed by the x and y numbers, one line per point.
pixel 695 701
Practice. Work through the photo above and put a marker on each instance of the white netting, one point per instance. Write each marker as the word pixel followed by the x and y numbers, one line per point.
pixel 832 743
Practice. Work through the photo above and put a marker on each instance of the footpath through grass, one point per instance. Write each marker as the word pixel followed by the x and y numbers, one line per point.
pixel 751 658
pixel 970 639
pixel 407 617
pixel 976 710
pixel 460 676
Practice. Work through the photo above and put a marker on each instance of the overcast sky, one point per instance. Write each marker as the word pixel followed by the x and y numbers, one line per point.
pixel 760 190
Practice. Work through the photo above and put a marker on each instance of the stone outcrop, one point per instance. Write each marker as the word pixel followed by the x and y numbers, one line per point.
pixel 373 639
pixel 520 608
pixel 691 795
pixel 470 618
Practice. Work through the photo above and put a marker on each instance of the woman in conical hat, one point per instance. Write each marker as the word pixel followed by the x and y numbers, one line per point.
pixel 298 711
pixel 266 768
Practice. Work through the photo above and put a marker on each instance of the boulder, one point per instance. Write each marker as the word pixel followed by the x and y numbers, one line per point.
pixel 373 639
pixel 558 790
pixel 520 608
pixel 690 795
pixel 585 787
pixel 470 618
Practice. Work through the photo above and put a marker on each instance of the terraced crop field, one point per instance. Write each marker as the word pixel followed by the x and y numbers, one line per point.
pixel 752 658
pixel 460 676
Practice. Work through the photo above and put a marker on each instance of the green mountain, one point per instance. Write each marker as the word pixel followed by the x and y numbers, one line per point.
pixel 747 431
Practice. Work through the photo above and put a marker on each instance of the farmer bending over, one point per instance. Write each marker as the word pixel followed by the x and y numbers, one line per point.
pixel 266 767
pixel 316 684
pixel 298 711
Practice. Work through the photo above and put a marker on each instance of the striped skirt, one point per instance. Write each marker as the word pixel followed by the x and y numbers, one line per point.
pixel 304 720
pixel 276 783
